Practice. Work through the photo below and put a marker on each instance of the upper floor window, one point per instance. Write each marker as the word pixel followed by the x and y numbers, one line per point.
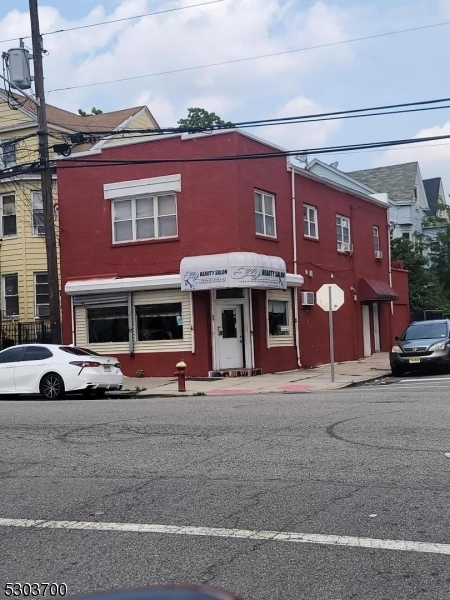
pixel 342 232
pixel 406 235
pixel 37 213
pixel 376 238
pixel 310 228
pixel 265 214
pixel 145 218
pixel 8 154
pixel 10 295
pixel 8 208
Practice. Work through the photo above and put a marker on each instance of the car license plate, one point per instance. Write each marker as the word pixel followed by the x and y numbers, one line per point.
pixel 107 367
pixel 414 359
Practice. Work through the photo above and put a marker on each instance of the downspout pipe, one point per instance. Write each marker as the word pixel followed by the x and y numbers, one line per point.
pixel 389 253
pixel 294 249
pixel 130 325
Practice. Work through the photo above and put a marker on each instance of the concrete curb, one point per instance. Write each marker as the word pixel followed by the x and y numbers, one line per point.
pixel 368 380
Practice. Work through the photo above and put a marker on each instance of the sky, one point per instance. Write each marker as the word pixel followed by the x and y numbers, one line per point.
pixel 406 67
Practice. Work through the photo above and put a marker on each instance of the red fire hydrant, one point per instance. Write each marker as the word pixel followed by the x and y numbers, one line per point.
pixel 181 375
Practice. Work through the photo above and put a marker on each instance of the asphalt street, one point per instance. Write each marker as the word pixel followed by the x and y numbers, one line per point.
pixel 346 466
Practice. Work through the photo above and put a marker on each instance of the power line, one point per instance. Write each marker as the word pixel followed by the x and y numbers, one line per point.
pixel 159 12
pixel 92 162
pixel 250 58
pixel 349 113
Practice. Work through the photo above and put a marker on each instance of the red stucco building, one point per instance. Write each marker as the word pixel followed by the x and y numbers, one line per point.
pixel 208 260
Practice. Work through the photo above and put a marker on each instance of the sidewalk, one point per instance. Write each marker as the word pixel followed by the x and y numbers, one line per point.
pixel 304 380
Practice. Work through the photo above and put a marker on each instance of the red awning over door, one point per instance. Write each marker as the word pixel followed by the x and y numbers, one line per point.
pixel 374 290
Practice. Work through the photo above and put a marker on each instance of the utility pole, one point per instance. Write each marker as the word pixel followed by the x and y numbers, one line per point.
pixel 46 178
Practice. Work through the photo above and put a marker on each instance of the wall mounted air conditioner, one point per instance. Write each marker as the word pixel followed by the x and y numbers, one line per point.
pixel 43 310
pixel 308 299
pixel 378 254
pixel 344 247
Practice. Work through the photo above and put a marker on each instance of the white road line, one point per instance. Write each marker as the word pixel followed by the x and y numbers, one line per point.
pixel 430 379
pixel 246 534
pixel 418 388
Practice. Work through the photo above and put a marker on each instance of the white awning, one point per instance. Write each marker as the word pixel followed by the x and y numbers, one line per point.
pixel 165 282
pixel 233 270
pixel 122 284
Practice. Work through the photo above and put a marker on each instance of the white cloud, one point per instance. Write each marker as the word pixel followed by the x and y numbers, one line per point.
pixel 301 135
pixel 433 157
pixel 226 31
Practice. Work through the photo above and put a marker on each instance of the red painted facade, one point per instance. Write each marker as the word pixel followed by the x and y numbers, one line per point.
pixel 216 215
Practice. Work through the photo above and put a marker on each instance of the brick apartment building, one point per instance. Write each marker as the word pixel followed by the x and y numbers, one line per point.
pixel 209 261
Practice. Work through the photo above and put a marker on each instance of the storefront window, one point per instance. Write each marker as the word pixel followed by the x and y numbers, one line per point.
pixel 159 322
pixel 278 317
pixel 108 324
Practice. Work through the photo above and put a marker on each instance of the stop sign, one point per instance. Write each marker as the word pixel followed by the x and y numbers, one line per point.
pixel 323 297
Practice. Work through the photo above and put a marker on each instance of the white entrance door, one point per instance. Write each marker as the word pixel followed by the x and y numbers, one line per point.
pixel 376 327
pixel 229 335
pixel 366 330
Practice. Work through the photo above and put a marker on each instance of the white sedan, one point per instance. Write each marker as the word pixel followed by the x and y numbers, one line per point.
pixel 53 370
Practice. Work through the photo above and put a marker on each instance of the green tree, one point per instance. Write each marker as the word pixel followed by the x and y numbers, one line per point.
pixel 94 111
pixel 199 118
pixel 440 258
pixel 425 290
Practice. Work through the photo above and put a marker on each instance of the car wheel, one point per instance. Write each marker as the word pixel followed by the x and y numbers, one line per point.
pixel 397 371
pixel 52 387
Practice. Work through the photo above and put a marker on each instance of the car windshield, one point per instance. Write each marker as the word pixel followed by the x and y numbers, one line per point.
pixel 78 351
pixel 426 331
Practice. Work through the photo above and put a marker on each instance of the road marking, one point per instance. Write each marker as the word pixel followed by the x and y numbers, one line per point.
pixel 247 534
pixel 420 380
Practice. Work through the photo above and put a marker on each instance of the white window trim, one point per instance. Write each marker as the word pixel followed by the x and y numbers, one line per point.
pixel 141 347
pixel 134 220
pixel 5 316
pixel 140 187
pixel 315 222
pixel 375 228
pixel 342 217
pixel 35 292
pixel 2 196
pixel 276 341
pixel 263 213
pixel 35 233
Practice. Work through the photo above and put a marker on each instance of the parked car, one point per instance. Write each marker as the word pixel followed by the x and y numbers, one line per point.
pixel 423 343
pixel 53 370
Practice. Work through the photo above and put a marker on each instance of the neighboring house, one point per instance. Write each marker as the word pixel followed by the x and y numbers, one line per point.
pixel 439 215
pixel 408 200
pixel 439 208
pixel 218 262
pixel 23 263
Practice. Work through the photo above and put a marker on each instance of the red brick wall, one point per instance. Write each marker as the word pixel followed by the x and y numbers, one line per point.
pixel 401 317
pixel 216 214
pixel 270 360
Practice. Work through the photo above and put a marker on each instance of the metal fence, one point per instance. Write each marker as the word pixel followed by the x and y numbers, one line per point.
pixel 428 315
pixel 15 332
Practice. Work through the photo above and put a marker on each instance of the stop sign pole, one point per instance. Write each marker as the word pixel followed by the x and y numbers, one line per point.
pixel 331 328
pixel 330 297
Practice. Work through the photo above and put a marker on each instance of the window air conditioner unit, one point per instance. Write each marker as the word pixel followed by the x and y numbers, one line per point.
pixel 378 254
pixel 43 310
pixel 307 298
pixel 344 247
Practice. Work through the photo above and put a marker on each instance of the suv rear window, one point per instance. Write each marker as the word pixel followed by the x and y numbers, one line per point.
pixel 78 351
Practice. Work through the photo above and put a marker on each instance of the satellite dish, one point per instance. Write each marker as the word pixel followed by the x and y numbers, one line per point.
pixel 303 158
pixel 334 165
